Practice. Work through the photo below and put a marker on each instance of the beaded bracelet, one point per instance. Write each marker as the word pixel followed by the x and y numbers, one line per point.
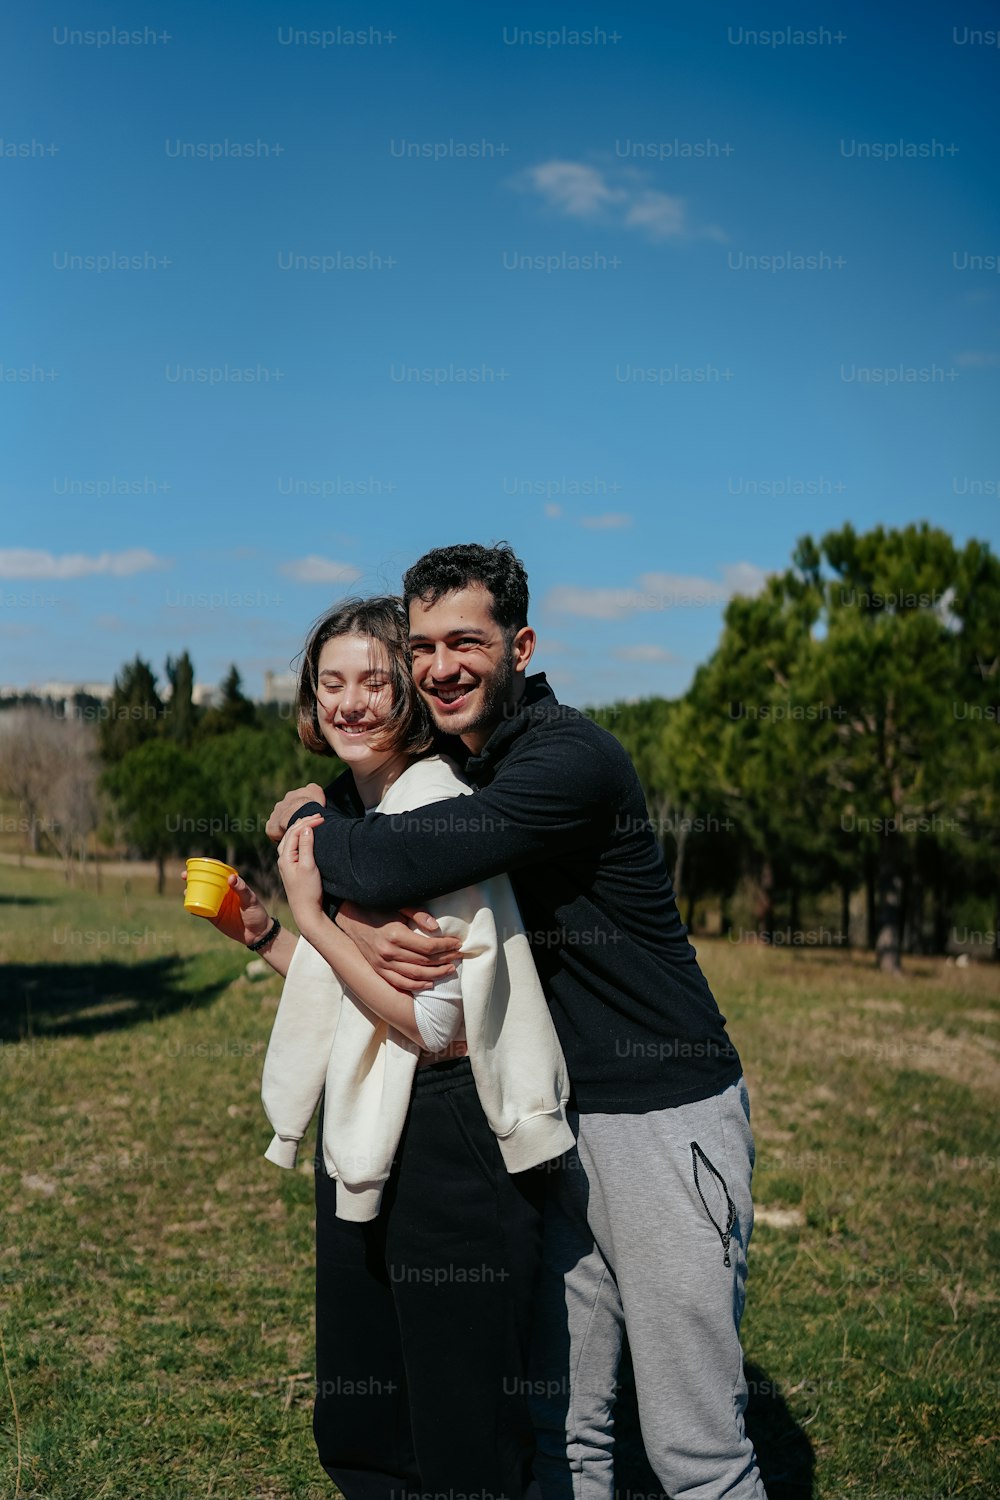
pixel 272 932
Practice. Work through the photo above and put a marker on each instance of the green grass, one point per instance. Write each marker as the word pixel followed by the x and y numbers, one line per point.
pixel 156 1272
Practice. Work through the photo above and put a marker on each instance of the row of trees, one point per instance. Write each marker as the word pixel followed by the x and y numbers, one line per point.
pixel 187 780
pixel 156 775
pixel 842 737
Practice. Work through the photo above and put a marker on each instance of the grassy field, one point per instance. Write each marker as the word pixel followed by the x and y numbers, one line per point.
pixel 156 1272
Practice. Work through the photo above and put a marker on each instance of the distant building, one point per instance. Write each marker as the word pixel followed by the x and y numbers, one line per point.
pixel 68 690
pixel 60 694
pixel 280 687
pixel 202 694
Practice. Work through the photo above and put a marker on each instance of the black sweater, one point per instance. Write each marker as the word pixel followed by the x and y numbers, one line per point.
pixel 559 807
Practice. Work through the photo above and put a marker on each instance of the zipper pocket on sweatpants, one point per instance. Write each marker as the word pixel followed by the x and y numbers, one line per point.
pixel 725 1235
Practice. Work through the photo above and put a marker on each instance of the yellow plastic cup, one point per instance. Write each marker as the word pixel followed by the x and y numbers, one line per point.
pixel 207 886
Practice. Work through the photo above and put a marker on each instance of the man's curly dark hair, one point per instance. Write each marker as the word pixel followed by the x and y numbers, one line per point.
pixel 497 568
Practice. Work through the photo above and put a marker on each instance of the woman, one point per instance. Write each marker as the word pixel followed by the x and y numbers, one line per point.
pixel 427 1224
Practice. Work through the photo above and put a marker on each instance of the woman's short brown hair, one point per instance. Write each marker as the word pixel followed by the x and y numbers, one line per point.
pixel 383 619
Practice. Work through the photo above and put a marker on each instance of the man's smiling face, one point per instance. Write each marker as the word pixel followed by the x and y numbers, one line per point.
pixel 463 668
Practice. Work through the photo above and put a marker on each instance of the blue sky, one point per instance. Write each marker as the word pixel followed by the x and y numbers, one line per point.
pixel 486 287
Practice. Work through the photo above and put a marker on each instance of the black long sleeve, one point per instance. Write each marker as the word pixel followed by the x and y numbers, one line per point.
pixel 558 806
pixel 543 802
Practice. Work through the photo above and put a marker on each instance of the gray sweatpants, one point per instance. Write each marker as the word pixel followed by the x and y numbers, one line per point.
pixel 647 1227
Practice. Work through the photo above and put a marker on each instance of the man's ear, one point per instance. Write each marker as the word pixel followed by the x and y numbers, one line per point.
pixel 523 647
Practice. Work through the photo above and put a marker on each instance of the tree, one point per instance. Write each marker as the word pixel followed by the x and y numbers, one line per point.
pixel 161 798
pixel 750 723
pixel 973 770
pixel 181 714
pixel 887 662
pixel 74 799
pixel 133 713
pixel 245 772
pixel 700 836
pixel 31 752
pixel 234 711
pixel 638 727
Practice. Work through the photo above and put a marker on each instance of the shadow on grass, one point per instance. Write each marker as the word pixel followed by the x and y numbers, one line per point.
pixel 54 1000
pixel 23 901
pixel 784 1452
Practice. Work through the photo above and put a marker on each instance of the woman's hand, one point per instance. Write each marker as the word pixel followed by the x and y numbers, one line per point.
pixel 300 875
pixel 242 915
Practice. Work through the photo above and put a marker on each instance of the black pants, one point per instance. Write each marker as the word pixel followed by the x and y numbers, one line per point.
pixel 422 1315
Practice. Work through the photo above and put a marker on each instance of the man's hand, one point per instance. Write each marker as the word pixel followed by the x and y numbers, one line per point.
pixel 285 810
pixel 403 955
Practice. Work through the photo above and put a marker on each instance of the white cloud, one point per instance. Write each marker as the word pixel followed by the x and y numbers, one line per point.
pixel 656 591
pixel 594 604
pixel 663 215
pixel 617 196
pixel 745 578
pixel 610 521
pixel 320 570
pixel 25 562
pixel 574 188
pixel 679 589
pixel 644 653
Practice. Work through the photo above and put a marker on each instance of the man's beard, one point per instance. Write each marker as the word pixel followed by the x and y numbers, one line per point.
pixel 496 703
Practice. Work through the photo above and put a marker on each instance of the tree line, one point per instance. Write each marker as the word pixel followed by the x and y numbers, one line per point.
pixel 156 775
pixel 841 743
pixel 842 737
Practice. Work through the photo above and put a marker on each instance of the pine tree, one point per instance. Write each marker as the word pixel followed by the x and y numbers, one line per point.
pixel 181 715
pixel 134 712
pixel 234 711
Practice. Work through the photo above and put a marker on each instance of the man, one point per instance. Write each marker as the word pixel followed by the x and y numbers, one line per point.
pixel 648 1220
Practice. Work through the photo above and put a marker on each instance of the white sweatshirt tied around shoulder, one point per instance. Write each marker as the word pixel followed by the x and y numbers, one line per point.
pixel 325 1038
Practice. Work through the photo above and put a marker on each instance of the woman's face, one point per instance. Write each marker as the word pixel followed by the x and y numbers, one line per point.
pixel 353 698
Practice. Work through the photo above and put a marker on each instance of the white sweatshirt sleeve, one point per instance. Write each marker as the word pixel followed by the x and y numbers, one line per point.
pixel 438 1012
pixel 298 1051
